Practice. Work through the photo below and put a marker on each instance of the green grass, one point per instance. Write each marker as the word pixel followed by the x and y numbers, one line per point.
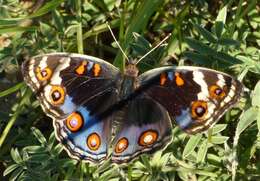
pixel 222 35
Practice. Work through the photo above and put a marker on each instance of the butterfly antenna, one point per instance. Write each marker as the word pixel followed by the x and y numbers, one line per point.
pixel 145 55
pixel 117 42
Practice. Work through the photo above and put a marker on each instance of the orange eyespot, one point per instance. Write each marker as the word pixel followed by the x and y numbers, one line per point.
pixel 81 68
pixel 74 122
pixel 178 80
pixel 93 141
pixel 147 138
pixel 44 74
pixel 57 95
pixel 96 69
pixel 121 145
pixel 163 78
pixel 199 109
pixel 216 92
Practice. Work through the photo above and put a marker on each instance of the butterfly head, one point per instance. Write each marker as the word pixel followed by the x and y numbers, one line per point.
pixel 131 70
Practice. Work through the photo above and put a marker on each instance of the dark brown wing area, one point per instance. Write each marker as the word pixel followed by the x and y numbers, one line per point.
pixel 65 81
pixel 146 127
pixel 195 97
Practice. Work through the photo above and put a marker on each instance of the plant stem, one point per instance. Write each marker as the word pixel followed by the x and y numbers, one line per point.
pixel 13 118
pixel 12 89
pixel 8 127
pixel 79 28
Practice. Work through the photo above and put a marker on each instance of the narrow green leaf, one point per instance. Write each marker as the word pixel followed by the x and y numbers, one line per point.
pixel 146 162
pixel 214 158
pixel 191 145
pixel 15 175
pixel 228 42
pixel 256 95
pixel 258 119
pixel 58 149
pixel 157 157
pixel 34 149
pixel 67 162
pixel 101 4
pixel 17 29
pixel 136 173
pixel 220 21
pixel 198 58
pixel 49 6
pixel 37 133
pixel 219 139
pixel 246 119
pixel 202 151
pixel 219 26
pixel 222 15
pixel 225 58
pixel 206 34
pixel 141 40
pixel 58 21
pixel 164 159
pixel 46 29
pixel 200 47
pixel 51 140
pixel 218 128
pixel 39 158
pixel 100 28
pixel 10 169
pixel 207 173
pixel 110 4
pixel 14 117
pixel 16 155
pixel 8 22
pixel 12 89
pixel 145 10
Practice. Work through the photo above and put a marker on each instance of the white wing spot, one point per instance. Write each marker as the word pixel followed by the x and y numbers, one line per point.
pixel 198 77
pixel 56 80
pixel 43 62
pixel 221 81
pixel 148 139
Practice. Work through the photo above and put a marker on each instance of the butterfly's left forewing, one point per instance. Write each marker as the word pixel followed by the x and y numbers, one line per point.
pixel 74 90
pixel 195 97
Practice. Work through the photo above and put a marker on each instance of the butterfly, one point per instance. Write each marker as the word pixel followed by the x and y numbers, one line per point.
pixel 99 112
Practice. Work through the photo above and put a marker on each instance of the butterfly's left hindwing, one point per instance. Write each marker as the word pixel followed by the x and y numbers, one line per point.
pixel 74 89
pixel 195 97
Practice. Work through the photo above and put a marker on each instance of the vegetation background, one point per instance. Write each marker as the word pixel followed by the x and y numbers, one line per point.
pixel 219 34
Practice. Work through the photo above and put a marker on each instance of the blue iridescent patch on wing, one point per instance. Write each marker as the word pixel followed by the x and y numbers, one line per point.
pixel 184 120
pixel 170 75
pixel 91 125
pixel 68 106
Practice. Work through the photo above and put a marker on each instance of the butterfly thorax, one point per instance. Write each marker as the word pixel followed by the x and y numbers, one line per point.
pixel 129 83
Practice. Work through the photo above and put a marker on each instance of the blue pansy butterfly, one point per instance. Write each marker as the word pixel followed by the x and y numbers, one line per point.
pixel 87 97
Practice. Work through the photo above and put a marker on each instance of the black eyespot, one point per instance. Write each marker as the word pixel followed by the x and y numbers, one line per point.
pixel 56 95
pixel 44 73
pixel 218 91
pixel 200 111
